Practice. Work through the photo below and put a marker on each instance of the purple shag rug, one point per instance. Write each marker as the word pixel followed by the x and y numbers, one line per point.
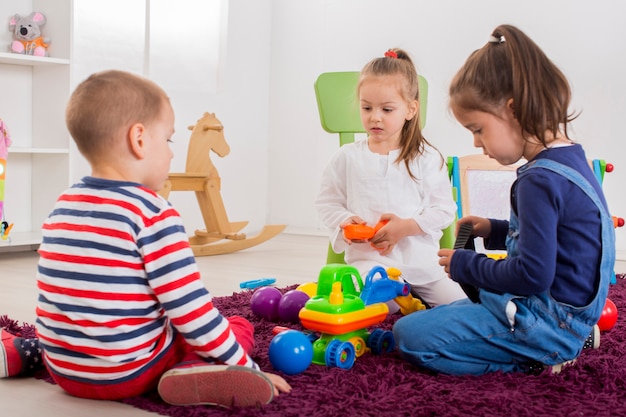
pixel 385 385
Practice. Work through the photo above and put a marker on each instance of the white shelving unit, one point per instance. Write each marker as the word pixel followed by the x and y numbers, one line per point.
pixel 35 91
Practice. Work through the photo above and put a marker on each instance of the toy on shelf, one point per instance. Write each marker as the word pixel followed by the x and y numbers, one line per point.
pixel 28 39
pixel 201 176
pixel 341 313
pixel 5 142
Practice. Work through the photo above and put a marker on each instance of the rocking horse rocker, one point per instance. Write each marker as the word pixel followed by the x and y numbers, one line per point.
pixel 220 236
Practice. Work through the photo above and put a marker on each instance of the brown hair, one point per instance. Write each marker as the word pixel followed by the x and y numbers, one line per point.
pixel 397 62
pixel 105 104
pixel 512 66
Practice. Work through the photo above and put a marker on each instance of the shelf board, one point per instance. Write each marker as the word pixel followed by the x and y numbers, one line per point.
pixel 19 241
pixel 28 60
pixel 38 150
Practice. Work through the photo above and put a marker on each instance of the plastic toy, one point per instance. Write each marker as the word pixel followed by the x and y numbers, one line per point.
pixel 290 304
pixel 308 287
pixel 361 231
pixel 264 302
pixel 5 142
pixel 342 313
pixel 464 241
pixel 256 283
pixel 608 318
pixel 28 39
pixel 312 336
pixel 290 352
pixel 408 304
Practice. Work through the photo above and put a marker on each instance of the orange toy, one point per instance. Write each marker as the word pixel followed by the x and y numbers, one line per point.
pixel 362 231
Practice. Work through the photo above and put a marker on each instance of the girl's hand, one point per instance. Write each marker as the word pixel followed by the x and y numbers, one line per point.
pixel 392 232
pixel 481 227
pixel 351 220
pixel 280 385
pixel 445 257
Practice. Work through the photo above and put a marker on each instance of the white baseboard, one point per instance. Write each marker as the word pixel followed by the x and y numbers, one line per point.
pixel 307 231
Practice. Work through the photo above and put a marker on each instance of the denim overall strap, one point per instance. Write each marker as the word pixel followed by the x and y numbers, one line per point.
pixel 607 262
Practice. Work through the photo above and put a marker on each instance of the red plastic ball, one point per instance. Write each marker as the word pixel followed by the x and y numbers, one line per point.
pixel 609 168
pixel 264 302
pixel 608 318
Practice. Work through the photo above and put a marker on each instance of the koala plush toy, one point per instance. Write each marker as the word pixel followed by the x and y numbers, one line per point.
pixel 27 34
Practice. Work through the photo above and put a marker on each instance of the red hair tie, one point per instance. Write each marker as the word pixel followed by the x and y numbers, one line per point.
pixel 391 54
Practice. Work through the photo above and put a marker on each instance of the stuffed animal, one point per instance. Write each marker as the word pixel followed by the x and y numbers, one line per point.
pixel 27 33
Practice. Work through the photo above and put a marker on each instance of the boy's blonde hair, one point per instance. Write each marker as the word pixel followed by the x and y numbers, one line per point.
pixel 107 103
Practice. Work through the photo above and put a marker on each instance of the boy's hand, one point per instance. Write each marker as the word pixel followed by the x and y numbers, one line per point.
pixel 280 385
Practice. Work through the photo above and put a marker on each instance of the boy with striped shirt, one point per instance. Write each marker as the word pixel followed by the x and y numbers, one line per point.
pixel 121 306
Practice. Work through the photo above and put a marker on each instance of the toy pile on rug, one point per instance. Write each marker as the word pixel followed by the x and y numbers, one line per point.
pixel 385 385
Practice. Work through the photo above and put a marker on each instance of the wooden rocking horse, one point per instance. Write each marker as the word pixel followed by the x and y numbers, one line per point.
pixel 220 235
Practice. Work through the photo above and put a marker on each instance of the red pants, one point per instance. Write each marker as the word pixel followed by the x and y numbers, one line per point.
pixel 180 351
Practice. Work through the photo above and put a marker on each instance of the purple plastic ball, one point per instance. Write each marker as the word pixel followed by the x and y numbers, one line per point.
pixel 291 352
pixel 290 305
pixel 264 302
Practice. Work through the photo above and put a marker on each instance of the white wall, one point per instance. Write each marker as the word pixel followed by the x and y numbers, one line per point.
pixel 241 101
pixel 275 49
pixel 586 40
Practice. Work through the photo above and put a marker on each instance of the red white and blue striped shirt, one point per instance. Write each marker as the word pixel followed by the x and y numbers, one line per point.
pixel 117 279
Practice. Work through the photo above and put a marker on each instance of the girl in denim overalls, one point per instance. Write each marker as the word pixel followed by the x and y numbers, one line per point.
pixel 537 307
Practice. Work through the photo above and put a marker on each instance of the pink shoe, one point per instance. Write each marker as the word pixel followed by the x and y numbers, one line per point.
pixel 10 359
pixel 222 385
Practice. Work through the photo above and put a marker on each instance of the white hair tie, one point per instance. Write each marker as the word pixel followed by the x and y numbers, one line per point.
pixel 496 39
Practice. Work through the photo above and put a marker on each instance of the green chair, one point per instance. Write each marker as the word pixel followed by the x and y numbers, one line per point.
pixel 338 106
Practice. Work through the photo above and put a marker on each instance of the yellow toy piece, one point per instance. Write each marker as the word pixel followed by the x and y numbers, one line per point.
pixel 310 288
pixel 408 304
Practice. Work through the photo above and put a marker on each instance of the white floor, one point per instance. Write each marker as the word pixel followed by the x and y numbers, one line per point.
pixel 291 259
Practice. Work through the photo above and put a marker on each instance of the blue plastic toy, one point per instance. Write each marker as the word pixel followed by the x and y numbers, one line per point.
pixel 256 283
pixel 291 352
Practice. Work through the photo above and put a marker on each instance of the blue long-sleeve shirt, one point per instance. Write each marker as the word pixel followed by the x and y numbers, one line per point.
pixel 559 237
